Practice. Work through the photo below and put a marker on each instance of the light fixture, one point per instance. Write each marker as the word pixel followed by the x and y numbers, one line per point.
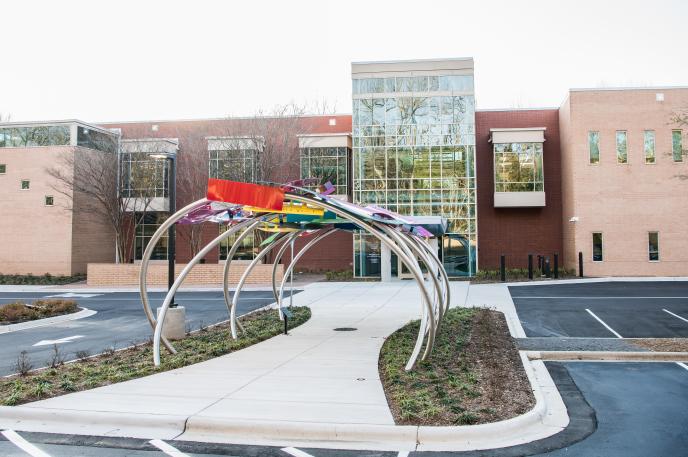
pixel 574 219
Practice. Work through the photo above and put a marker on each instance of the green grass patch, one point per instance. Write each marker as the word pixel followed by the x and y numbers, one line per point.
pixel 46 279
pixel 113 367
pixel 473 376
pixel 12 313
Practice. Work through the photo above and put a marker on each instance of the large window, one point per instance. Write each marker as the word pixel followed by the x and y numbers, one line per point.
pixel 621 147
pixel 594 147
pixel 414 153
pixel 676 146
pixel 448 83
pixel 597 247
pixel 653 246
pixel 95 139
pixel 245 251
pixel 148 224
pixel 327 164
pixel 518 167
pixel 234 165
pixel 649 146
pixel 143 176
pixel 366 255
pixel 19 137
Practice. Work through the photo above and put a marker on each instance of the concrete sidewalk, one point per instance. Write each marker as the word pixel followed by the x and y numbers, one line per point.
pixel 315 385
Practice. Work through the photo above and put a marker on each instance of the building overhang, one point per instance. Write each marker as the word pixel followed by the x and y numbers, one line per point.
pixel 325 140
pixel 150 145
pixel 519 199
pixel 518 135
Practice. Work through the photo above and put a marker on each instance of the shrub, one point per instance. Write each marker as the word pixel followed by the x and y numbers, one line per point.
pixel 343 275
pixel 20 312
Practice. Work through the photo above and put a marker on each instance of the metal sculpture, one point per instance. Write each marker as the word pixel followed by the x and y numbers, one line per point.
pixel 292 212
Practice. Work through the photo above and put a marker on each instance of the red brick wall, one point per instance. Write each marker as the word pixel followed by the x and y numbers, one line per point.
pixel 517 232
pixel 334 253
pixel 191 136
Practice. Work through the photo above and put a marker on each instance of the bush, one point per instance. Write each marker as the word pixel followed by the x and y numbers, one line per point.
pixel 44 279
pixel 344 275
pixel 39 309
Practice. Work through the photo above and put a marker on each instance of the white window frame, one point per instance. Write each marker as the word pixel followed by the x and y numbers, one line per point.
pixel 592 243
pixel 21 184
pixel 648 246
pixel 45 200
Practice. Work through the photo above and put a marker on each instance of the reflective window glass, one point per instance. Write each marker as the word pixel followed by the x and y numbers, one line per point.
pixel 621 147
pixel 597 247
pixel 594 147
pixel 649 146
pixel 653 246
pixel 676 146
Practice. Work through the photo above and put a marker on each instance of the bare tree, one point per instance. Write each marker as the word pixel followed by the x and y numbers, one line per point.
pixel 192 180
pixel 94 183
pixel 5 117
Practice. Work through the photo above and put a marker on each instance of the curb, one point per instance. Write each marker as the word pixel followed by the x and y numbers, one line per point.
pixel 31 419
pixel 610 356
pixel 85 312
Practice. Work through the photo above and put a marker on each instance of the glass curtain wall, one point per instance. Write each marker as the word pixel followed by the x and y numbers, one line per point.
pixel 327 164
pixel 518 167
pixel 414 153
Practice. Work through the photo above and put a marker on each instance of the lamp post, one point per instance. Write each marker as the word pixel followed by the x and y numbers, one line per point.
pixel 172 199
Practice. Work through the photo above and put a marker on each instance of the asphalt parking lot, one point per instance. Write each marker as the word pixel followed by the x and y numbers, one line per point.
pixel 657 309
pixel 119 322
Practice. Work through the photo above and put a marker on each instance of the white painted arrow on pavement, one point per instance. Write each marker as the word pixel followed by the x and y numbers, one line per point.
pixel 72 295
pixel 68 339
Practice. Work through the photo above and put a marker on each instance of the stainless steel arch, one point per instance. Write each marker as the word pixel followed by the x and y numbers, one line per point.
pixel 182 275
pixel 305 249
pixel 398 251
pixel 228 262
pixel 278 257
pixel 143 286
pixel 240 285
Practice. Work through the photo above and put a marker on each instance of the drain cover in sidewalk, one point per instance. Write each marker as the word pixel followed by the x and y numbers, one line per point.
pixel 345 329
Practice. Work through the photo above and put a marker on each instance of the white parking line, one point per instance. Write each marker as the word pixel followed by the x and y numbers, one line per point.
pixel 167 449
pixel 22 444
pixel 595 297
pixel 603 323
pixel 675 315
pixel 682 365
pixel 295 452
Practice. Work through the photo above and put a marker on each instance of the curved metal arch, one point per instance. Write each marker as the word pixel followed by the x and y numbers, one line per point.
pixel 178 281
pixel 296 258
pixel 398 251
pixel 148 252
pixel 228 262
pixel 240 285
pixel 433 256
pixel 278 257
pixel 413 253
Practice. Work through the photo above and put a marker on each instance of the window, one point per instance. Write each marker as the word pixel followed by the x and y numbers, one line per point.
pixel 25 184
pixel 3 168
pixel 594 146
pixel 34 136
pixel 518 167
pixel 246 250
pixel 653 246
pixel 49 200
pixel 676 146
pixel 234 165
pixel 649 142
pixel 94 139
pixel 326 164
pixel 147 225
pixel 597 247
pixel 143 176
pixel 621 147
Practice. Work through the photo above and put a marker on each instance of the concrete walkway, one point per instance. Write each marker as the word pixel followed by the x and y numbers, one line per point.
pixel 314 385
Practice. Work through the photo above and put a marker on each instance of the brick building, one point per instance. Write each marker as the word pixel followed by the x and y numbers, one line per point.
pixel 602 175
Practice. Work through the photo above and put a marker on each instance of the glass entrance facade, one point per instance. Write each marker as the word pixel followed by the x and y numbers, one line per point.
pixel 414 153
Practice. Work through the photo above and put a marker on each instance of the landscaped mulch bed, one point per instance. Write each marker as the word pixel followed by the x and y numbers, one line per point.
pixel 13 313
pixel 46 279
pixel 117 366
pixel 474 375
pixel 662 344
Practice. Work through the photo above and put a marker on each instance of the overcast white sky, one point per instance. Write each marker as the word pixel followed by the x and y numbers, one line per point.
pixel 138 60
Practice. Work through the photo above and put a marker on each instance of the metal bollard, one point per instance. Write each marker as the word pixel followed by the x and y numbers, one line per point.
pixel 530 266
pixel 556 265
pixel 502 268
pixel 580 264
pixel 548 271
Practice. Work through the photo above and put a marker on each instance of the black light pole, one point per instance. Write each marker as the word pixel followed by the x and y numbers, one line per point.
pixel 171 245
pixel 172 202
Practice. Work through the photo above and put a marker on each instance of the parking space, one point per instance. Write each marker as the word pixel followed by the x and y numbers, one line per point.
pixel 657 309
